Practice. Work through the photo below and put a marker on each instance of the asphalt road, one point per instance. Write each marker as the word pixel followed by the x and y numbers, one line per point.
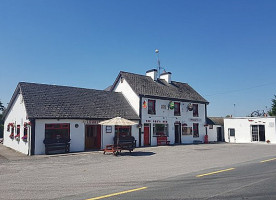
pixel 254 180
pixel 166 172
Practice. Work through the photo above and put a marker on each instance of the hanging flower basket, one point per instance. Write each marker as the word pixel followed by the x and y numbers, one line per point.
pixel 26 124
pixel 24 138
pixel 171 105
pixel 12 136
pixel 17 137
pixel 10 125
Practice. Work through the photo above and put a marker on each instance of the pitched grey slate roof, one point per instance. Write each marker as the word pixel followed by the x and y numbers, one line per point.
pixel 52 101
pixel 145 85
pixel 215 121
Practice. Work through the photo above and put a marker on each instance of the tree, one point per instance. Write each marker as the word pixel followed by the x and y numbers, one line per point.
pixel 2 108
pixel 272 112
pixel 258 113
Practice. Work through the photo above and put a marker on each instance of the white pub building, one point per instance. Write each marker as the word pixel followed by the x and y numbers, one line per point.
pixel 166 111
pixel 170 112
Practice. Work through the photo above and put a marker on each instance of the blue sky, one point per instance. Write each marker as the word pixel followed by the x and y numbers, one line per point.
pixel 226 50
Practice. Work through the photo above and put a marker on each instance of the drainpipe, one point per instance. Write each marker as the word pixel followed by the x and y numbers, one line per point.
pixel 140 121
pixel 206 119
pixel 32 138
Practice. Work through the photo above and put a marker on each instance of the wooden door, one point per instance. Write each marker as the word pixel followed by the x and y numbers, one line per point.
pixel 146 135
pixel 93 137
pixel 99 139
pixel 88 137
pixel 177 134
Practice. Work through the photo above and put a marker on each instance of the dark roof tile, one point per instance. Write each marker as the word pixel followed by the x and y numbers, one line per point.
pixel 144 85
pixel 52 101
pixel 215 121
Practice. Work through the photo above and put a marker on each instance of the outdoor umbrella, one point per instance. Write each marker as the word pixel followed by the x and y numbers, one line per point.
pixel 118 121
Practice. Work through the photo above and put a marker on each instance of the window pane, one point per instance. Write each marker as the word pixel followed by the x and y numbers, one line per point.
pixel 151 107
pixel 195 110
pixel 18 130
pixel 195 128
pixel 123 131
pixel 176 108
pixel 160 129
pixel 232 132
pixel 25 131
pixel 57 131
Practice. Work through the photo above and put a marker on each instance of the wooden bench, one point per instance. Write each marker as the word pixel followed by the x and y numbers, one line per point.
pixel 57 148
pixel 162 141
pixel 53 146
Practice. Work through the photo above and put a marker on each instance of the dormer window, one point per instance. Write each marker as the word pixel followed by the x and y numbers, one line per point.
pixel 195 110
pixel 151 107
pixel 176 109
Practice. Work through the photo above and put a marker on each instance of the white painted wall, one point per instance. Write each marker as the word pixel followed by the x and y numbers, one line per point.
pixel 18 116
pixel 129 94
pixel 212 133
pixel 77 135
pixel 242 128
pixel 168 115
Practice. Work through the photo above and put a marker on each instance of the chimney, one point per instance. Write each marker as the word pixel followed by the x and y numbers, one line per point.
pixel 152 73
pixel 166 76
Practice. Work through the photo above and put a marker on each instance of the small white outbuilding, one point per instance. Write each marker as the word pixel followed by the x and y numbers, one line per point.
pixel 250 130
pixel 215 129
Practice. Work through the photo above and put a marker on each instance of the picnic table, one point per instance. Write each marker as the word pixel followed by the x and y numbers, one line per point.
pixel 122 143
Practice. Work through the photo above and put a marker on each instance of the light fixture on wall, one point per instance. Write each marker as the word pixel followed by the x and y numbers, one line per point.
pixel 190 107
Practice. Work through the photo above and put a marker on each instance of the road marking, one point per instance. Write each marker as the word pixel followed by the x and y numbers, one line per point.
pixel 224 170
pixel 118 193
pixel 268 160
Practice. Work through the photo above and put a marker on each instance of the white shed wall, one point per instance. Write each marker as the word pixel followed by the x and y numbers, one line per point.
pixel 242 128
pixel 213 134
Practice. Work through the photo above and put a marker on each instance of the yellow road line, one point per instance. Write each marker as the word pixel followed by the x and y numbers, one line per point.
pixel 268 160
pixel 118 193
pixel 224 170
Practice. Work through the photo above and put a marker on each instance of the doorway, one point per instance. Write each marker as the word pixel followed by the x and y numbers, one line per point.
pixel 258 133
pixel 231 135
pixel 146 134
pixel 219 134
pixel 92 137
pixel 177 133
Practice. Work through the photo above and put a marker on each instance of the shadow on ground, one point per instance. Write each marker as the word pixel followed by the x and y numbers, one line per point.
pixel 136 153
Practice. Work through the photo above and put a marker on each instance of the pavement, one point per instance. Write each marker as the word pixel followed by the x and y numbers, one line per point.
pixel 254 180
pixel 90 174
